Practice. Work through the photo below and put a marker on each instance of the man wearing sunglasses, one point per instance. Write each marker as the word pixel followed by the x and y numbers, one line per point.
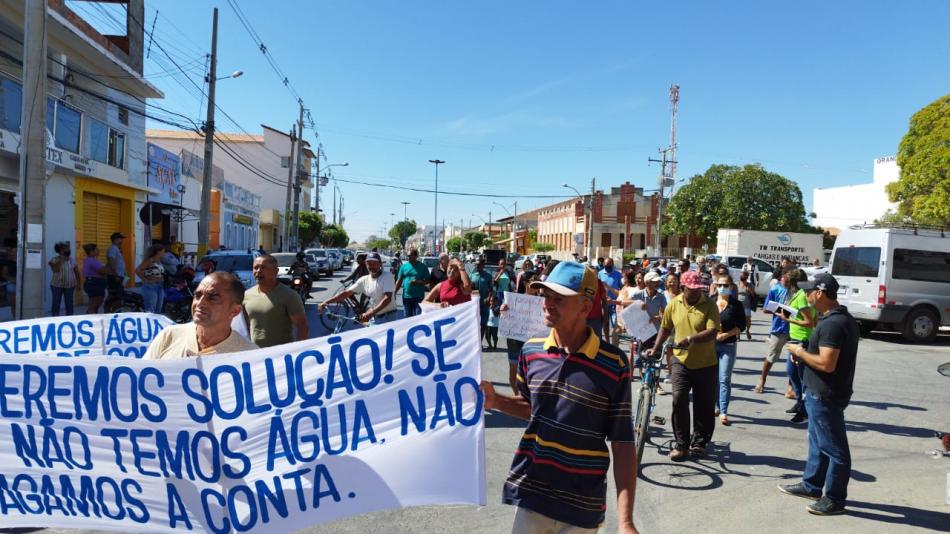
pixel 829 374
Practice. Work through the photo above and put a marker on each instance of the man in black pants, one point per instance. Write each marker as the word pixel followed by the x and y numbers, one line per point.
pixel 694 318
pixel 829 374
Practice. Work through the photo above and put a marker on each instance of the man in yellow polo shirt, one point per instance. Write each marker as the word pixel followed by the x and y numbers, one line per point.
pixel 695 319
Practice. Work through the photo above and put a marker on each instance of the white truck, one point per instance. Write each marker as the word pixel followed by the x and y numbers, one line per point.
pixel 770 246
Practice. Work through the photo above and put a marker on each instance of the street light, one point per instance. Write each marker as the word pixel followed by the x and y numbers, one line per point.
pixel 405 213
pixel 435 219
pixel 235 74
pixel 589 219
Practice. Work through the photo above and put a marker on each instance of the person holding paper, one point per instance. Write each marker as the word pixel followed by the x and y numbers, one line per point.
pixel 778 334
pixel 216 302
pixel 575 392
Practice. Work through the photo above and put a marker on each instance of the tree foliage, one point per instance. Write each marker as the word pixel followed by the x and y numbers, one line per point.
pixel 455 244
pixel 543 247
pixel 923 190
pixel 377 243
pixel 334 236
pixel 401 231
pixel 475 240
pixel 728 196
pixel 311 224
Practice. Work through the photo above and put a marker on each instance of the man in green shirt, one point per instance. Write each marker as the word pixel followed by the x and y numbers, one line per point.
pixel 482 282
pixel 413 277
pixel 695 320
pixel 274 310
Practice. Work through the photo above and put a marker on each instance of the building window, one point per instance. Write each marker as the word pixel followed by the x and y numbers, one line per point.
pixel 605 239
pixel 621 241
pixel 11 103
pixel 116 149
pixel 97 147
pixel 68 127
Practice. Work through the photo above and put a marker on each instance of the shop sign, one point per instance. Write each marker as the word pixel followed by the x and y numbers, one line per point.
pixel 163 175
pixel 242 219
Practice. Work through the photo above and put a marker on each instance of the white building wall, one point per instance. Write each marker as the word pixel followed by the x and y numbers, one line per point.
pixel 841 207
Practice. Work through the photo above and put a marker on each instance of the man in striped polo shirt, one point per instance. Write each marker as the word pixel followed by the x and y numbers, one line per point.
pixel 574 389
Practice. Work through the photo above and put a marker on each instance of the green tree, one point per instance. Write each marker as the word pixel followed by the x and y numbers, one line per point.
pixel 923 189
pixel 401 231
pixel 334 236
pixel 475 240
pixel 454 245
pixel 311 224
pixel 377 243
pixel 543 247
pixel 727 196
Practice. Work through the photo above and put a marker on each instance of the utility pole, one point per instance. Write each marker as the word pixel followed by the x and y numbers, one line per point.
pixel 590 225
pixel 285 233
pixel 204 216
pixel 405 210
pixel 667 179
pixel 31 282
pixel 297 172
pixel 435 218
pixel 334 202
pixel 318 182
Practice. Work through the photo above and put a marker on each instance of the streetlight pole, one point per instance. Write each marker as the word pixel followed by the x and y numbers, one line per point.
pixel 405 212
pixel 512 220
pixel 588 218
pixel 435 219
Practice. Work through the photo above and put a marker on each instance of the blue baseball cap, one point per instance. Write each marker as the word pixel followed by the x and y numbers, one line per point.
pixel 570 278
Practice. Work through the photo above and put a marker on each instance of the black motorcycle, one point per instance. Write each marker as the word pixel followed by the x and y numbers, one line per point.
pixel 119 299
pixel 301 284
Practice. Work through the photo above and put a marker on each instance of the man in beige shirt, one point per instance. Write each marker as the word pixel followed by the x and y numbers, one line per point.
pixel 217 301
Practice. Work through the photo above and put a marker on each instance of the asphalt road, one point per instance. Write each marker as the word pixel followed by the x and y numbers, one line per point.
pixel 899 401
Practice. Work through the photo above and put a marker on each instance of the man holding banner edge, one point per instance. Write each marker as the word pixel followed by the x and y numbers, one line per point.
pixel 558 476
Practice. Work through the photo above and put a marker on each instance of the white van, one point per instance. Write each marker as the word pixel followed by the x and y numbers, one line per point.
pixel 894 279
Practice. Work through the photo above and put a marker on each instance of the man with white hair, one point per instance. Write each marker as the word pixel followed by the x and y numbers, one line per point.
pixel 440 272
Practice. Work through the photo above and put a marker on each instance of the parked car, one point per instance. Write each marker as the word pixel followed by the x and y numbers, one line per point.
pixel 894 279
pixel 348 256
pixel 534 259
pixel 336 258
pixel 237 262
pixel 313 266
pixel 325 265
pixel 763 270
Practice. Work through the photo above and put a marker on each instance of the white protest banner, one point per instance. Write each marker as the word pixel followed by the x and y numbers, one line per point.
pixel 524 318
pixel 271 440
pixel 120 334
pixel 427 307
pixel 636 321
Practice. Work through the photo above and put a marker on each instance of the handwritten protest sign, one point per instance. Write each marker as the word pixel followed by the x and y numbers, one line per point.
pixel 636 321
pixel 121 334
pixel 524 318
pixel 278 439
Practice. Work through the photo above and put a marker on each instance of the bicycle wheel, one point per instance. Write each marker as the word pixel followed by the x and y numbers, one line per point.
pixel 342 309
pixel 642 422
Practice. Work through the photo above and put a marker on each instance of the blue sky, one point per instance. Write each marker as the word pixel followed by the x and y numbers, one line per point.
pixel 566 91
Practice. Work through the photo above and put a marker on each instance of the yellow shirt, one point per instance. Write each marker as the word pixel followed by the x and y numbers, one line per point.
pixel 689 320
pixel 181 341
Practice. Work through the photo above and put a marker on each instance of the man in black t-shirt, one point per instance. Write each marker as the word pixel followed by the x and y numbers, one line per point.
pixel 829 375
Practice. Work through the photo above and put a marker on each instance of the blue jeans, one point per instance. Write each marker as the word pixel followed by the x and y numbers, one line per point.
pixel 796 371
pixel 62 293
pixel 383 318
pixel 153 296
pixel 411 306
pixel 829 457
pixel 726 353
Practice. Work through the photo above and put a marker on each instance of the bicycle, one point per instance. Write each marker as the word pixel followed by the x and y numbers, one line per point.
pixel 350 308
pixel 650 367
pixel 340 321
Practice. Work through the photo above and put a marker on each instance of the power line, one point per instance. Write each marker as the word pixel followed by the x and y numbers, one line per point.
pixel 443 192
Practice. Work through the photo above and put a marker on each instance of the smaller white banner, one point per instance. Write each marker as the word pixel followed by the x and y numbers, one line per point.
pixel 119 334
pixel 523 319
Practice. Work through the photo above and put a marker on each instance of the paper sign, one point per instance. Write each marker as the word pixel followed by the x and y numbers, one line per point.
pixel 524 318
pixel 271 440
pixel 636 320
pixel 773 306
pixel 34 258
pixel 34 233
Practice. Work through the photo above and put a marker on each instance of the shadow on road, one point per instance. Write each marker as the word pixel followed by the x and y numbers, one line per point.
pixel 899 515
pixel 856 426
pixel 887 406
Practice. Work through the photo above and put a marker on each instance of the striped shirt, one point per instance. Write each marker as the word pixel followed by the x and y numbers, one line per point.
pixel 577 402
pixel 66 277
